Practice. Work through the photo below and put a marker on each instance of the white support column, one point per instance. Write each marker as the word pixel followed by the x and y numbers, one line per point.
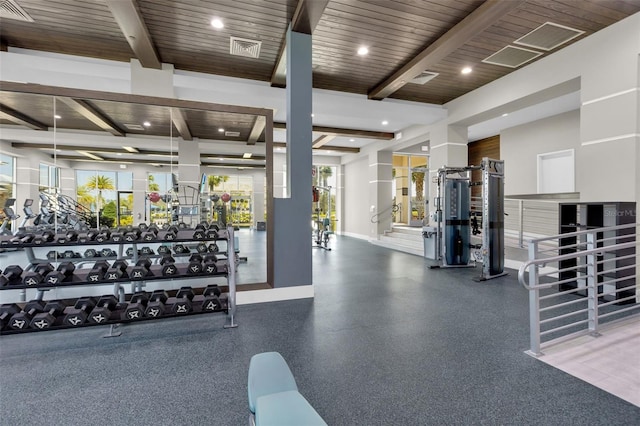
pixel 380 197
pixel 448 147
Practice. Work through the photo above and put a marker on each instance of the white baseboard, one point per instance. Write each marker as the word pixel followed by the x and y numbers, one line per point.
pixel 274 294
pixel 354 235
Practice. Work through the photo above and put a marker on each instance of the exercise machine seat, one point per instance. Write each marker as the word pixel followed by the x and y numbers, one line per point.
pixel 326 224
pixel 268 374
pixel 288 408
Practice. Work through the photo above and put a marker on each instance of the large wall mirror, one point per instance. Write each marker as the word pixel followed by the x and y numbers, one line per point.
pixel 121 158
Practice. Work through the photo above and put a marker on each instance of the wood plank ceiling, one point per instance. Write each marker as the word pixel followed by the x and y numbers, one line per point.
pixel 404 38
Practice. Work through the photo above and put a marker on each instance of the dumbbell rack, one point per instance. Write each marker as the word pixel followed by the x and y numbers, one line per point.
pixel 79 279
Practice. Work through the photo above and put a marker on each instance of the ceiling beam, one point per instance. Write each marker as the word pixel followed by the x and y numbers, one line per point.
pixel 142 152
pixel 179 120
pixel 89 112
pixel 323 148
pixel 257 129
pixel 129 18
pixel 354 133
pixel 17 117
pixel 305 19
pixel 322 140
pixel 487 14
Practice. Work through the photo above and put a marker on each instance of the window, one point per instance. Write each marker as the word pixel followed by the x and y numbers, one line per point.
pixel 98 191
pixel 7 178
pixel 49 178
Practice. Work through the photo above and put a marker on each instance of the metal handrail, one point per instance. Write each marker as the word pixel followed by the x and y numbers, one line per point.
pixel 543 262
pixel 590 277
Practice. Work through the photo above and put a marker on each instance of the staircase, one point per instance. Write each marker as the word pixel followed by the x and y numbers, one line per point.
pixel 402 238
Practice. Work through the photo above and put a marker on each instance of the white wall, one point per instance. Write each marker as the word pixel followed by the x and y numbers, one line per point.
pixel 356 199
pixel 520 146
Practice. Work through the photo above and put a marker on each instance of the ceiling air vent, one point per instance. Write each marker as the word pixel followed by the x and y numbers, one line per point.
pixel 133 126
pixel 423 77
pixel 548 36
pixel 232 134
pixel 10 9
pixel 245 47
pixel 511 57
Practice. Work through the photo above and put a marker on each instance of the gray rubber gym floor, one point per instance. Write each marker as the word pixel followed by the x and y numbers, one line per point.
pixel 386 341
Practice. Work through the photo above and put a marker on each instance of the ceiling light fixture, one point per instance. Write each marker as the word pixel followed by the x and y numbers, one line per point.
pixel 363 50
pixel 131 149
pixel 247 155
pixel 220 130
pixel 352 140
pixel 217 23
pixel 505 114
pixel 385 122
pixel 146 124
pixel 466 70
pixel 57 117
pixel 90 155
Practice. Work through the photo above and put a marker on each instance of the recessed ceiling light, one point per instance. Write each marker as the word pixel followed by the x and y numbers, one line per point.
pixel 57 117
pixel 118 153
pixel 130 149
pixel 363 50
pixel 466 70
pixel 385 122
pixel 146 124
pixel 217 23
pixel 312 116
pixel 220 130
pixel 352 140
pixel 505 114
pixel 246 155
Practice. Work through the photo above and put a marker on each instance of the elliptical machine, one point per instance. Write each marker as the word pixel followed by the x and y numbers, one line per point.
pixel 9 216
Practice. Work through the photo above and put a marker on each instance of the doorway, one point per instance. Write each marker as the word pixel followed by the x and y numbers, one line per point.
pixel 410 189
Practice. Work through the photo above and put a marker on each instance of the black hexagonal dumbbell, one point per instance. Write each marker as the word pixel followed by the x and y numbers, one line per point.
pixel 47 318
pixel 11 275
pixel 91 253
pixel 181 304
pixel 80 311
pixel 63 272
pixel 202 247
pixel 38 274
pixel 172 233
pixel 210 263
pixel 92 234
pixel 200 232
pixel 45 237
pixel 146 251
pixel 97 273
pixel 130 252
pixel 102 312
pixel 156 307
pixel 69 254
pixel 212 234
pixel 136 306
pixel 168 265
pixel 164 250
pixel 195 264
pixel 21 320
pixel 117 236
pixel 143 226
pixel 6 311
pixel 54 255
pixel 151 233
pixel 132 235
pixel 141 270
pixel 107 252
pixel 103 235
pixel 213 248
pixel 118 270
pixel 180 249
pixel 211 299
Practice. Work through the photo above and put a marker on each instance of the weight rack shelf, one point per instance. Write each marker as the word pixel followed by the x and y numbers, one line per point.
pixel 116 318
pixel 79 277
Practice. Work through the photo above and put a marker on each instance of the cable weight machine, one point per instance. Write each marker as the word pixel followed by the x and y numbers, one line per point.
pixel 458 216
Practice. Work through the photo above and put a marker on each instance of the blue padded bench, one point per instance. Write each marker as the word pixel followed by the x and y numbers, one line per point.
pixel 274 399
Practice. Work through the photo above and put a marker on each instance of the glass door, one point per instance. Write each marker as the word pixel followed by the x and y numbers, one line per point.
pixel 419 190
pixel 125 208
